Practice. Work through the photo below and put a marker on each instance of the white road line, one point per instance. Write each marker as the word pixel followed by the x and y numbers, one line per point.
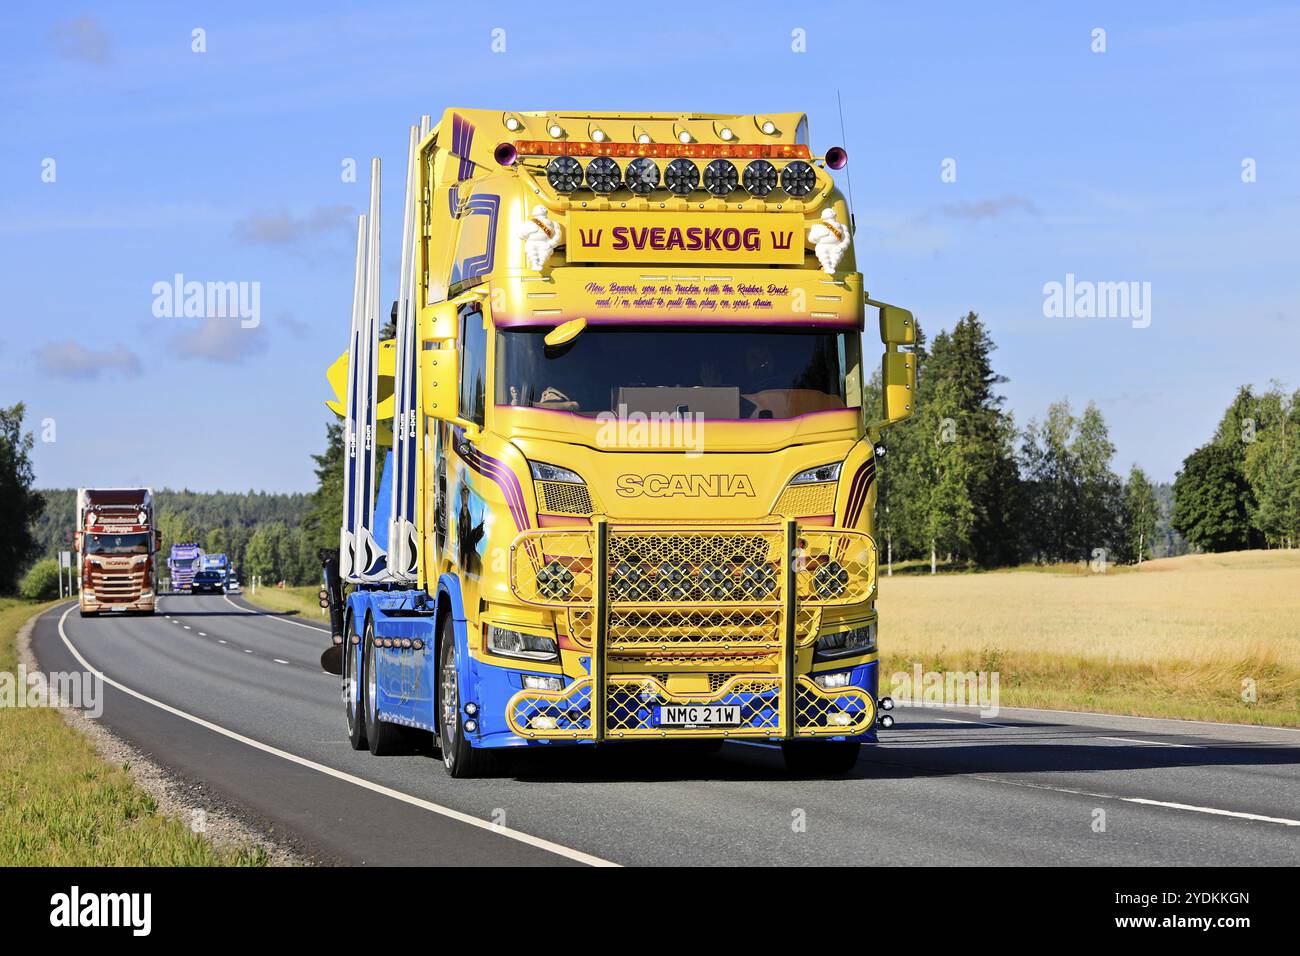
pixel 1218 813
pixel 247 651
pixel 201 634
pixel 1191 808
pixel 220 641
pixel 525 838
pixel 187 627
pixel 1159 743
pixel 278 661
pixel 310 627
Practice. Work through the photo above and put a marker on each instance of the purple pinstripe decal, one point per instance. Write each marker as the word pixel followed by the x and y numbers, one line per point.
pixel 858 493
pixel 501 474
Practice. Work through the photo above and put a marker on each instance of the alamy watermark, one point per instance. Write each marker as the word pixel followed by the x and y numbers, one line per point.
pixel 207 300
pixel 922 688
pixel 1085 299
pixel 680 430
pixel 77 689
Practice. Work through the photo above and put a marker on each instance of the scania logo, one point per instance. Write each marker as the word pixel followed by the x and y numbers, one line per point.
pixel 685 486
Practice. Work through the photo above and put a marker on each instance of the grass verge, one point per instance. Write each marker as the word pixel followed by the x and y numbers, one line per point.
pixel 62 805
pixel 302 601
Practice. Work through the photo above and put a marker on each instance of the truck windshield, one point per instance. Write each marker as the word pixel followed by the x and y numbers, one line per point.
pixel 718 373
pixel 117 543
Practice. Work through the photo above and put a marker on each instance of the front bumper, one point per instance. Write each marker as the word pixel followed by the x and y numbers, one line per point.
pixel 707 616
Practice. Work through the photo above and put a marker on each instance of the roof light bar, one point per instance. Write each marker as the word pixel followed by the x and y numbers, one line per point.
pixel 666 150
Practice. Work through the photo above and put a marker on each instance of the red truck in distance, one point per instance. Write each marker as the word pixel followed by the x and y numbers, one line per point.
pixel 116 543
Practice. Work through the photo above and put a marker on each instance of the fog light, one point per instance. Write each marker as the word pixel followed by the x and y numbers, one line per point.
pixel 471 726
pixel 555 581
pixel 758 580
pixel 886 703
pixel 715 582
pixel 564 173
pixel 798 178
pixel 536 682
pixel 760 178
pixel 720 177
pixel 671 583
pixel 542 722
pixel 471 708
pixel 628 582
pixel 603 175
pixel 886 720
pixel 830 681
pixel 682 176
pixel 642 175
pixel 831 580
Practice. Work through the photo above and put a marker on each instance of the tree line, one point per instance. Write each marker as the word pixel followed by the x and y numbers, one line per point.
pixel 961 484
pixel 1242 488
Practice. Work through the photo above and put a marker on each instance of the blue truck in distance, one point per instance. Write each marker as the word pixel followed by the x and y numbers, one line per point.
pixel 183 564
pixel 214 569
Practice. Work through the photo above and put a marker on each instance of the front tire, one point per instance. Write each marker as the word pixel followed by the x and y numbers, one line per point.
pixel 458 758
pixel 353 708
pixel 815 757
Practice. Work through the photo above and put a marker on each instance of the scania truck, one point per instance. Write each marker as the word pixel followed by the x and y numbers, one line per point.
pixel 116 542
pixel 182 565
pixel 630 470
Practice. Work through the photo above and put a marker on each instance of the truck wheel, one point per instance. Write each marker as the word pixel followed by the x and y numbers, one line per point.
pixel 352 690
pixel 385 738
pixel 459 758
pixel 820 756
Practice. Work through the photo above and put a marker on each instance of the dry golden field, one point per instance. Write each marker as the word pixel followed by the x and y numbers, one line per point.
pixel 1179 637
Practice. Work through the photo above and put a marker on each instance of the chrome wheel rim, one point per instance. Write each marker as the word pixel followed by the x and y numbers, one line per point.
pixel 450 703
pixel 351 681
pixel 371 683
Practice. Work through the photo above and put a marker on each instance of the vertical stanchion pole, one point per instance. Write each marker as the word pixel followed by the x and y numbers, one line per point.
pixel 788 596
pixel 599 582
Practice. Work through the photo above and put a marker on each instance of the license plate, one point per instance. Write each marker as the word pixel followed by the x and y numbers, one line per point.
pixel 699 715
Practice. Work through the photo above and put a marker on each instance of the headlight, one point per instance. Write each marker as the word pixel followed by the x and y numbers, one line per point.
pixel 603 175
pixel 832 680
pixel 798 179
pixel 510 643
pixel 858 640
pixel 564 173
pixel 720 177
pixel 760 178
pixel 819 474
pixel 544 472
pixel 682 177
pixel 642 175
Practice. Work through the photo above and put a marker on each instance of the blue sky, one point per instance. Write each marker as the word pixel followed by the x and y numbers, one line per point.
pixel 1115 166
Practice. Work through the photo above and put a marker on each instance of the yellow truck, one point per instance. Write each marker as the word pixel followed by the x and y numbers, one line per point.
pixel 629 470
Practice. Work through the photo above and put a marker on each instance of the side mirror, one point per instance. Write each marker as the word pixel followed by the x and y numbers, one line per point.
pixel 898 386
pixel 76 541
pixel 157 540
pixel 439 380
pixel 897 327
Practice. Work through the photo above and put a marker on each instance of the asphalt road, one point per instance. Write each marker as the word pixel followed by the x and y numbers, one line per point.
pixel 235 700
